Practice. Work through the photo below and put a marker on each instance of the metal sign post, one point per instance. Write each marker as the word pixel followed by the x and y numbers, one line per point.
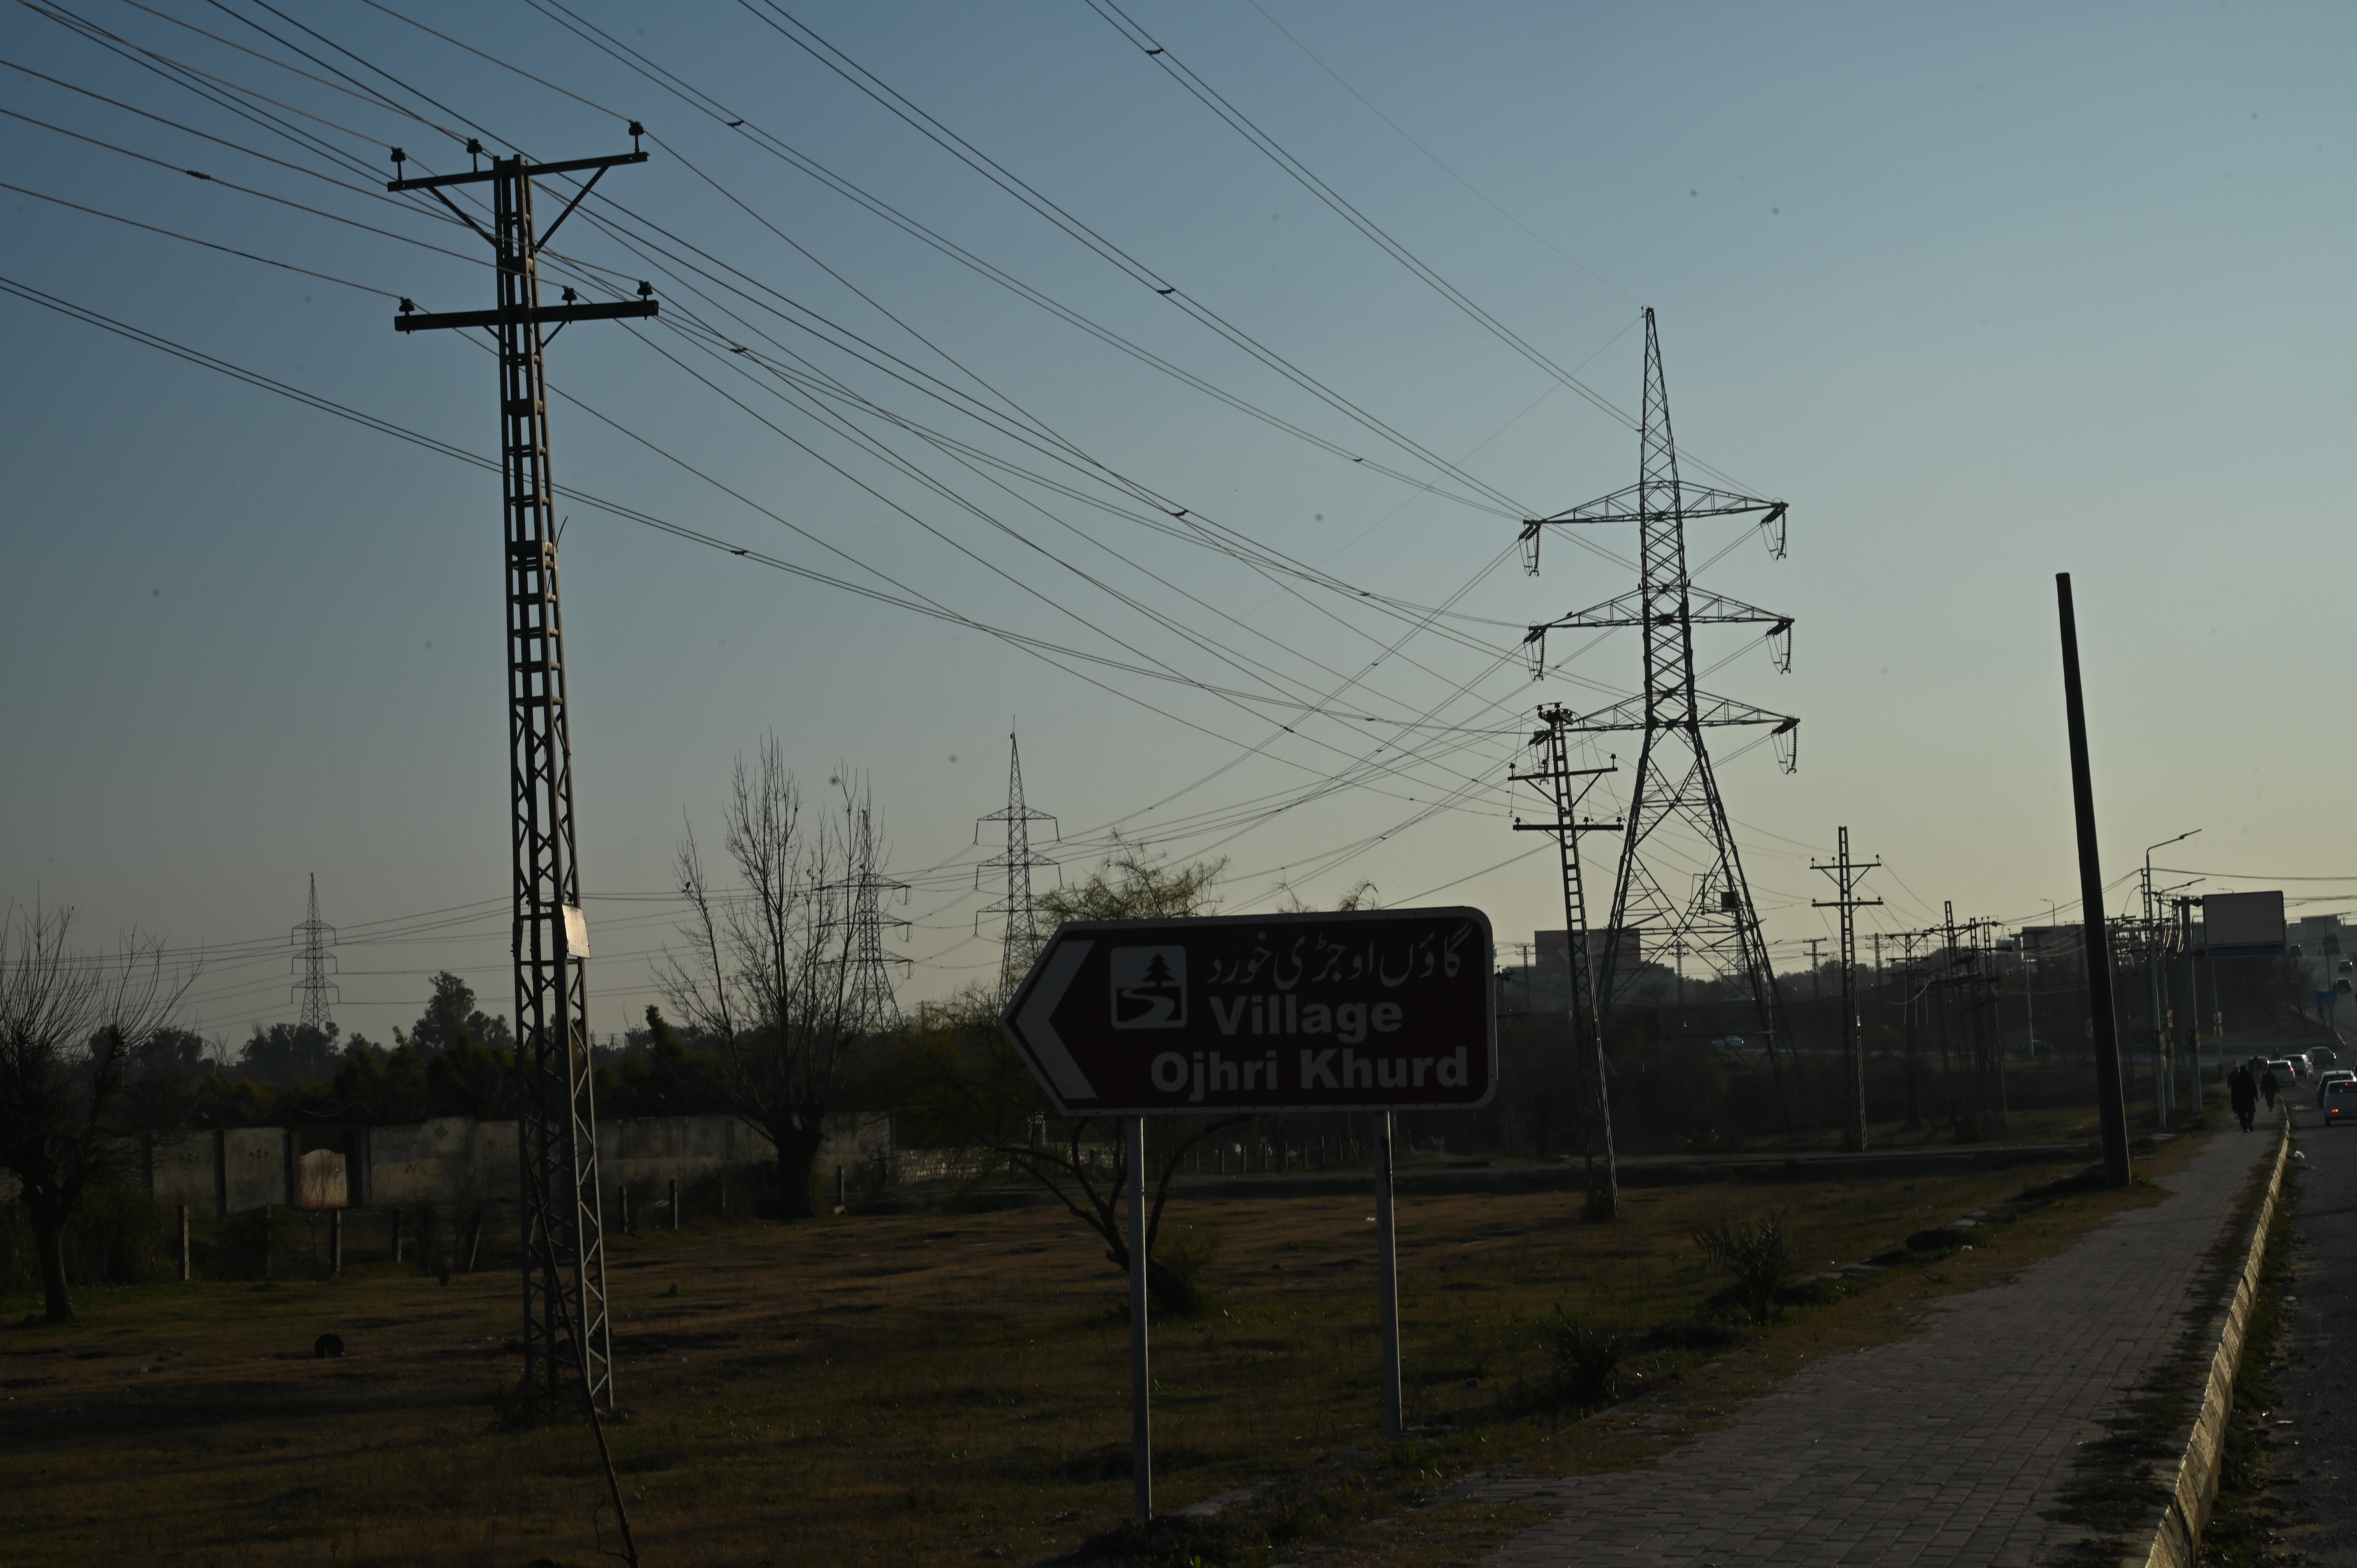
pixel 1386 1244
pixel 1140 1425
pixel 1383 1011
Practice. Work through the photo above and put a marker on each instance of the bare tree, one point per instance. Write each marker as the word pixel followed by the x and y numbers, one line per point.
pixel 768 975
pixel 73 1030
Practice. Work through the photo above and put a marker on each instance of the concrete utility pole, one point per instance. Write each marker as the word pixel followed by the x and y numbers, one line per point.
pixel 1845 874
pixel 564 1328
pixel 2103 1020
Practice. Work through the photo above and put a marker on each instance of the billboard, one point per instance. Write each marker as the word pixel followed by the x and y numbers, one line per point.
pixel 2244 925
pixel 1554 949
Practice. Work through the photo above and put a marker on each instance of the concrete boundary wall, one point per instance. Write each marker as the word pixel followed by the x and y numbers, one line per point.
pixel 457 1160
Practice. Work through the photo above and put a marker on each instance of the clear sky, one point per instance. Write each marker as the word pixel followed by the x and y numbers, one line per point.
pixel 1985 293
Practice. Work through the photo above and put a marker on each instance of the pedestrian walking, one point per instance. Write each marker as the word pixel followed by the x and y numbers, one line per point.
pixel 2245 1093
pixel 2270 1088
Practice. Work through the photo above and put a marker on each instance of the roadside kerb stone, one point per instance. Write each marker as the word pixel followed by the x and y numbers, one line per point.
pixel 2177 1536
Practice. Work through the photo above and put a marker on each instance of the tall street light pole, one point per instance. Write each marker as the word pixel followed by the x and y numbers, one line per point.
pixel 2160 1084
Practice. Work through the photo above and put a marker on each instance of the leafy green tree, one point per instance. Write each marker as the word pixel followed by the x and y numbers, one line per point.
pixel 451 1016
pixel 285 1054
pixel 472 1079
pixel 1130 883
pixel 655 1074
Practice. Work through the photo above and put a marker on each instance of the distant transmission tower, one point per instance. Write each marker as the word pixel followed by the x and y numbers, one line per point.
pixel 1023 934
pixel 1845 873
pixel 872 1002
pixel 1676 823
pixel 315 963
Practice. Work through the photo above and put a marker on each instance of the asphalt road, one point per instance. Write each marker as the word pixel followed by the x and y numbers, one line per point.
pixel 2317 1393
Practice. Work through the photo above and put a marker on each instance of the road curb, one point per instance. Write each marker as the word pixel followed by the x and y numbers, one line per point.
pixel 2177 1539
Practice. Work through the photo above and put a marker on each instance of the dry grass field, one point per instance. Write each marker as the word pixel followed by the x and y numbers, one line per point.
pixel 936 1388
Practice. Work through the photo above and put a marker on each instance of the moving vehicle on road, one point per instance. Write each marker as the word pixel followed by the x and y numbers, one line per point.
pixel 2326 1080
pixel 2340 1102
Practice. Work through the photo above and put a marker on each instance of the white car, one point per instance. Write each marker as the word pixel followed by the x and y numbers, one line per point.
pixel 2339 1102
pixel 2327 1078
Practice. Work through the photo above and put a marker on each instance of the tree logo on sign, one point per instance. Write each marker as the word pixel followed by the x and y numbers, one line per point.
pixel 1150 988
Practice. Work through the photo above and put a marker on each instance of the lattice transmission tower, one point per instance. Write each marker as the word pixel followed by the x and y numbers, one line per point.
pixel 1022 931
pixel 1680 886
pixel 315 992
pixel 872 1002
pixel 565 1331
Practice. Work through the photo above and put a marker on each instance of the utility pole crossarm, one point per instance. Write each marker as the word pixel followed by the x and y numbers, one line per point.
pixel 1640 503
pixel 518 316
pixel 478 177
pixel 1640 608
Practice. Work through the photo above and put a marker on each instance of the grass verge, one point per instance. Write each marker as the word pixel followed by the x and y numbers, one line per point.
pixel 932 1389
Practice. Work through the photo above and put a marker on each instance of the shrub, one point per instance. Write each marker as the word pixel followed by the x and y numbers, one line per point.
pixel 1757 1254
pixel 1188 1249
pixel 1583 1360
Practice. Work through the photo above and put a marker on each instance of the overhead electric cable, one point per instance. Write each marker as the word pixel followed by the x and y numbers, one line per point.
pixel 191 239
pixel 1210 98
pixel 1436 159
pixel 241 189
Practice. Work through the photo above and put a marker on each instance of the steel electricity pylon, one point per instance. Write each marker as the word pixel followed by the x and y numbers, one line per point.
pixel 1845 873
pixel 872 1002
pixel 1022 932
pixel 315 992
pixel 1676 832
pixel 1564 787
pixel 564 1229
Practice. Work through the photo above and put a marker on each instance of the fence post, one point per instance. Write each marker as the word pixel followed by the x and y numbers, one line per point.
pixel 674 1203
pixel 183 1243
pixel 396 1233
pixel 840 1200
pixel 623 1194
pixel 335 1243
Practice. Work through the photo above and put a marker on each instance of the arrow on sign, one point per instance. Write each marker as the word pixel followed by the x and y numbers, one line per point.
pixel 1034 1022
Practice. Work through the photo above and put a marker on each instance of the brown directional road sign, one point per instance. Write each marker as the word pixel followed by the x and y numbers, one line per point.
pixel 1391 1010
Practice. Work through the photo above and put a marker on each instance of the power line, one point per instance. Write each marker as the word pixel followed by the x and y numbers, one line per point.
pixel 1436 159
pixel 207 244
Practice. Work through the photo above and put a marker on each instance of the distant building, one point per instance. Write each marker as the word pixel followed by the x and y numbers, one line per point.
pixel 2324 949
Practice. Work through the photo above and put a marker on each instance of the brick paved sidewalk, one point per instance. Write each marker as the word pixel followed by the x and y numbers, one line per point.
pixel 1952 1447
